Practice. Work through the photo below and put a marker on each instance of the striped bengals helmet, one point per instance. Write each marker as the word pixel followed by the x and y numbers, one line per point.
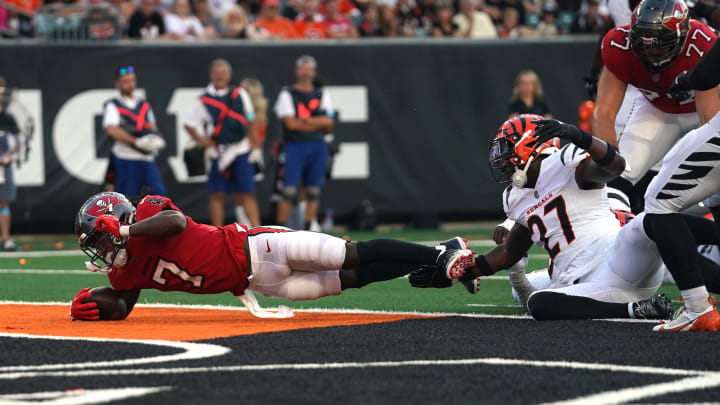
pixel 514 145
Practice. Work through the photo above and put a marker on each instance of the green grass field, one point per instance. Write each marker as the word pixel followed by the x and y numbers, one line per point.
pixel 58 276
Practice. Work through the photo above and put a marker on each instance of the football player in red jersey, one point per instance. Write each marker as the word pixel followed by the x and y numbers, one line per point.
pixel 157 246
pixel 660 42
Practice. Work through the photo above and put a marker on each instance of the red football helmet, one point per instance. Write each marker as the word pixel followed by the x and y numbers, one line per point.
pixel 515 147
pixel 658 31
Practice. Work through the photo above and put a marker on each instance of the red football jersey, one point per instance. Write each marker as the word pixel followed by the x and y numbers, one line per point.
pixel 202 259
pixel 619 59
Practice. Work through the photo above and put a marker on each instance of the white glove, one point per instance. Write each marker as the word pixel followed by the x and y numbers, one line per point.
pixel 150 143
pixel 252 305
pixel 256 156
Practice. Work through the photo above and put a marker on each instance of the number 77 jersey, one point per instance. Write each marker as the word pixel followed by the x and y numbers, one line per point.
pixel 619 59
pixel 575 226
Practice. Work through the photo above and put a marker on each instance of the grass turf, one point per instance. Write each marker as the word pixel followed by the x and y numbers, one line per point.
pixel 394 295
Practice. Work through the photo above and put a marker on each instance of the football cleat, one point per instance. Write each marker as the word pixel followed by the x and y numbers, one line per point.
pixel 454 243
pixel 686 321
pixel 471 283
pixel 657 307
pixel 454 262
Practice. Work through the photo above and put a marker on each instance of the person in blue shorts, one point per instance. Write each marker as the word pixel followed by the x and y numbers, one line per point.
pixel 223 121
pixel 306 115
pixel 130 122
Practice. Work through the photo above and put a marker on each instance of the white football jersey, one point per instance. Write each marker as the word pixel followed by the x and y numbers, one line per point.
pixel 575 226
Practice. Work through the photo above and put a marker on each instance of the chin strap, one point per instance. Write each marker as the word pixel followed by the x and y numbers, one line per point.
pixel 248 299
pixel 95 269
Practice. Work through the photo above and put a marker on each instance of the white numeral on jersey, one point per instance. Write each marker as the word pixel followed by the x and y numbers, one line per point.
pixel 695 33
pixel 695 48
pixel 196 281
pixel 649 94
pixel 625 47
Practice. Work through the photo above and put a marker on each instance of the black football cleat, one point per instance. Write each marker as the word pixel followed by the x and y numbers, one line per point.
pixel 656 307
pixel 453 262
pixel 471 283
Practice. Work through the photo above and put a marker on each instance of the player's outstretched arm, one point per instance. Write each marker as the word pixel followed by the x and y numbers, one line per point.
pixel 605 163
pixel 610 95
pixel 503 256
pixel 163 224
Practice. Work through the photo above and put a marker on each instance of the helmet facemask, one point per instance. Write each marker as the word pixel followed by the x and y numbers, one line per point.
pixel 102 247
pixel 658 32
pixel 512 153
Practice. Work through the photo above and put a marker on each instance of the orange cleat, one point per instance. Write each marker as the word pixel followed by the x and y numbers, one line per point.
pixel 685 321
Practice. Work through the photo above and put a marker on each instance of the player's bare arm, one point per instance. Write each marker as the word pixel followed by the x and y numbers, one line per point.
pixel 610 94
pixel 707 103
pixel 503 256
pixel 604 164
pixel 163 224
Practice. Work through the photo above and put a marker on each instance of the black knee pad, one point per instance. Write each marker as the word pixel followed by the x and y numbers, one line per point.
pixel 313 194
pixel 290 194
pixel 540 305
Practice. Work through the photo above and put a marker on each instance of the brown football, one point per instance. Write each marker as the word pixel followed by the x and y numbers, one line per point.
pixel 111 307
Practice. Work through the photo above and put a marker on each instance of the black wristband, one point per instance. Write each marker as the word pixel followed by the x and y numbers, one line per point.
pixel 585 140
pixel 608 158
pixel 483 266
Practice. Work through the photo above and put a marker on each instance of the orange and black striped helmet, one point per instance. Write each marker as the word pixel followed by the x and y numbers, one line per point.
pixel 514 144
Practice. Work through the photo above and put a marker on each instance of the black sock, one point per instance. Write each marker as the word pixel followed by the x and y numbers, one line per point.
pixel 710 274
pixel 704 230
pixel 373 272
pixel 395 251
pixel 552 306
pixel 306 226
pixel 677 247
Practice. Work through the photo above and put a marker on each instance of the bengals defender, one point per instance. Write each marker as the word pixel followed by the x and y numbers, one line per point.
pixel 156 246
pixel 558 201
pixel 690 173
pixel 660 42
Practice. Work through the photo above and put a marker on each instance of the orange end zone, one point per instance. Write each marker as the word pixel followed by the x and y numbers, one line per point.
pixel 178 324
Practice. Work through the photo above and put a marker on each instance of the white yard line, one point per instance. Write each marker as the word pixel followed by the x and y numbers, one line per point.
pixel 79 397
pixel 190 351
pixel 373 364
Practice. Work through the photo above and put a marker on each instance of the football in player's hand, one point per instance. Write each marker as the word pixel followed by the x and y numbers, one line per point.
pixel 111 307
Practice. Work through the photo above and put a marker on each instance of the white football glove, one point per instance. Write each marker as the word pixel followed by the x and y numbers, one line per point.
pixel 256 157
pixel 150 143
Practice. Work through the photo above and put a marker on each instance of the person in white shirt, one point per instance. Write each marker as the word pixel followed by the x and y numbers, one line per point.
pixel 130 122
pixel 223 121
pixel 473 23
pixel 181 24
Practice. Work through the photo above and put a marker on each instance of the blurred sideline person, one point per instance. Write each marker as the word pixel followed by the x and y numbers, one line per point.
pixel 256 91
pixel 223 121
pixel 527 96
pixel 307 116
pixel 201 259
pixel 130 122
pixel 9 145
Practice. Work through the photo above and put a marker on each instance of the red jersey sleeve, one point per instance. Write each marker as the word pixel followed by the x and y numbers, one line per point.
pixel 151 205
pixel 615 49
